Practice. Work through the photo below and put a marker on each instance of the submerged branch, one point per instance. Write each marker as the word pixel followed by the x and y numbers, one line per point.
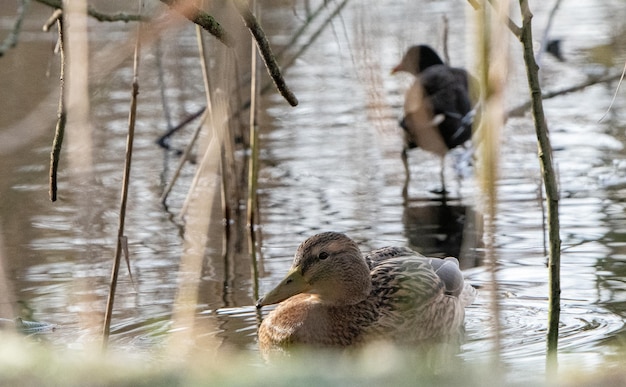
pixel 266 51
pixel 520 109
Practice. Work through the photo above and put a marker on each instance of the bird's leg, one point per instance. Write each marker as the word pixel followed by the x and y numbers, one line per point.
pixel 407 177
pixel 443 175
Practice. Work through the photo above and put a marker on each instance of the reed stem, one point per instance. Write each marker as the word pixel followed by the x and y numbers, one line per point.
pixel 253 169
pixel 121 239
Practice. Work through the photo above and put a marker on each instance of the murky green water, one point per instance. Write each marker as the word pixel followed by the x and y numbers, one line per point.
pixel 332 163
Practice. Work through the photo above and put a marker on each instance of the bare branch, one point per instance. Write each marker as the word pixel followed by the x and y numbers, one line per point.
pixel 201 18
pixel 551 188
pixel 59 131
pixel 266 51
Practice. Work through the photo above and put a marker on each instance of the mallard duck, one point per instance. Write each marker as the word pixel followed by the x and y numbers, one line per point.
pixel 333 296
pixel 438 107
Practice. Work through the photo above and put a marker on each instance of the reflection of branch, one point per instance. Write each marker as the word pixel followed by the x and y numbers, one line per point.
pixel 544 38
pixel 266 51
pixel 519 110
pixel 91 11
pixel 11 40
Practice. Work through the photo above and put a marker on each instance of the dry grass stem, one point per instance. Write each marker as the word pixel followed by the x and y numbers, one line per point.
pixel 121 241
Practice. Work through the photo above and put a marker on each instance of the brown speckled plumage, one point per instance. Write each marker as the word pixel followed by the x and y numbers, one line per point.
pixel 333 296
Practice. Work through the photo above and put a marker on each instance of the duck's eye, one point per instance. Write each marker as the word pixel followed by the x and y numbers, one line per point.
pixel 323 255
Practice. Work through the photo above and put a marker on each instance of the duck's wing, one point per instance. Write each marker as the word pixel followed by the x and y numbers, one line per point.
pixel 416 296
pixel 374 257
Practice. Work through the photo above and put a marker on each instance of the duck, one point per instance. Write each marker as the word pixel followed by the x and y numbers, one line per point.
pixel 439 107
pixel 335 297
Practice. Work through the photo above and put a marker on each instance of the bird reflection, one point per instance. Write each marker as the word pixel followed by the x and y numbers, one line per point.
pixel 444 228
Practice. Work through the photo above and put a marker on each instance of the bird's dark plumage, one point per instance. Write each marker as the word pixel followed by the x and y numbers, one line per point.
pixel 445 100
pixel 438 108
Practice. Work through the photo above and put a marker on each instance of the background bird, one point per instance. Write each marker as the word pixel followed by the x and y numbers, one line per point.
pixel 439 107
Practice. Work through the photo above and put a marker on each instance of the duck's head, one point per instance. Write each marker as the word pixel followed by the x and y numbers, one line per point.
pixel 329 266
pixel 417 59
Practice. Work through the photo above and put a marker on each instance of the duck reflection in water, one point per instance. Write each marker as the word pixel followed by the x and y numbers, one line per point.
pixel 443 228
pixel 439 107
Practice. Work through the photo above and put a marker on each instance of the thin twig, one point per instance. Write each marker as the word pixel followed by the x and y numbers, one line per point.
pixel 52 20
pixel 266 51
pixel 59 131
pixel 621 79
pixel 514 28
pixel 11 40
pixel 254 143
pixel 132 116
pixel 91 11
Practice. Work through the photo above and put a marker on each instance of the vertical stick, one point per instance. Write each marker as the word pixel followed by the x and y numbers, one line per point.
pixel 124 195
pixel 253 166
pixel 59 132
pixel 551 187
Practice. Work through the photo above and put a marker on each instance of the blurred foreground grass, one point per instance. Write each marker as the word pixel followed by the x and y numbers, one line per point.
pixel 27 362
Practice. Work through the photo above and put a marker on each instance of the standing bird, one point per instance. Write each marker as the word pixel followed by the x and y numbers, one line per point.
pixel 438 107
pixel 334 297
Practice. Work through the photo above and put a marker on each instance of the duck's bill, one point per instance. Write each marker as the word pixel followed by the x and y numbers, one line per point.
pixel 291 285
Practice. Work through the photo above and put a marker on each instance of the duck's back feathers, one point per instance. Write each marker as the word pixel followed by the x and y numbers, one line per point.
pixel 417 297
